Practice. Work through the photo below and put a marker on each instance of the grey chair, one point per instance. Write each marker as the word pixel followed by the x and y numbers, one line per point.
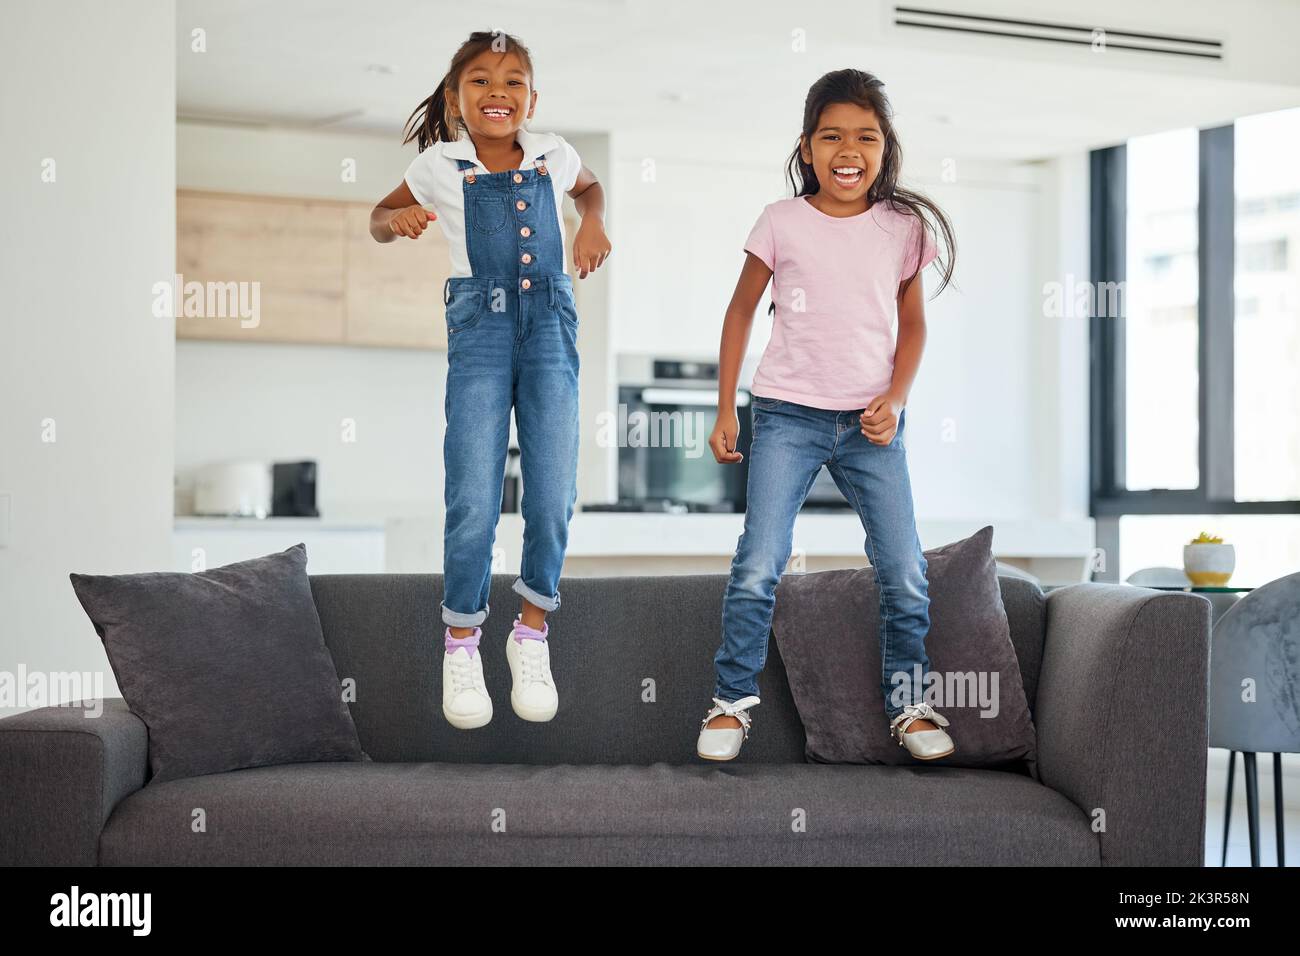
pixel 1159 578
pixel 1257 640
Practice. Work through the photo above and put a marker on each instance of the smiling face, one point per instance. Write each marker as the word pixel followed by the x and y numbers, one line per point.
pixel 494 96
pixel 845 151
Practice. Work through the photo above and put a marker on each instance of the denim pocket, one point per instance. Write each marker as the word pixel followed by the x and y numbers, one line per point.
pixel 761 401
pixel 464 310
pixel 488 213
pixel 566 306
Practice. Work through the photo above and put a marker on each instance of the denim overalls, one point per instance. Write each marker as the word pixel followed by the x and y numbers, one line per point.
pixel 512 342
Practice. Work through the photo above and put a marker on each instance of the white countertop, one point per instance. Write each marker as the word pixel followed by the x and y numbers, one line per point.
pixel 211 522
pixel 417 542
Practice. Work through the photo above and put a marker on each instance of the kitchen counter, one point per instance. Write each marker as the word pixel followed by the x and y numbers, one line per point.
pixel 603 543
pixel 334 545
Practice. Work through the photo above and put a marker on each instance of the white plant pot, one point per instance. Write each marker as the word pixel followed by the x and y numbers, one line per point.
pixel 1209 565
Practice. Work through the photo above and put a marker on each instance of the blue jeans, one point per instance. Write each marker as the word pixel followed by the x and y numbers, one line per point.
pixel 523 357
pixel 791 443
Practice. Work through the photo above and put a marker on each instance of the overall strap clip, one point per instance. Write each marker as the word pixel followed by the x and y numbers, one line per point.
pixel 467 170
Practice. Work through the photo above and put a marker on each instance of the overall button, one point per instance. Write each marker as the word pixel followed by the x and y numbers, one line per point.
pixel 526 258
pixel 525 232
pixel 542 170
pixel 521 205
pixel 527 283
pixel 518 178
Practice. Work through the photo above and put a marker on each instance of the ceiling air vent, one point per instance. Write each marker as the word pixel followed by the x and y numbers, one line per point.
pixel 1043 31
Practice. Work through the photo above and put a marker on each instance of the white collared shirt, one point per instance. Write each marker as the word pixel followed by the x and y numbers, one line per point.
pixel 435 180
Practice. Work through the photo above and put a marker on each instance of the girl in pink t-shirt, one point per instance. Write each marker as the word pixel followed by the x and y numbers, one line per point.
pixel 844 257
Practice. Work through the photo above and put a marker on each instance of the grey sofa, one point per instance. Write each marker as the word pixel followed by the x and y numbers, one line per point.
pixel 1116 678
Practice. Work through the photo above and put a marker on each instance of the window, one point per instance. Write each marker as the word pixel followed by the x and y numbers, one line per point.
pixel 1266 547
pixel 1266 345
pixel 1160 334
pixel 1195 378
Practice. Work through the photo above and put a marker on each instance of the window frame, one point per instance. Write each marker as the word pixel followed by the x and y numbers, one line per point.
pixel 1216 266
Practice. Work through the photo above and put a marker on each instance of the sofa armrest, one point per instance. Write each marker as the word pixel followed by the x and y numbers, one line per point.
pixel 62 771
pixel 1123 717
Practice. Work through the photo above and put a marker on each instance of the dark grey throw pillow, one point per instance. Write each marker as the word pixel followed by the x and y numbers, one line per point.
pixel 227 668
pixel 827 626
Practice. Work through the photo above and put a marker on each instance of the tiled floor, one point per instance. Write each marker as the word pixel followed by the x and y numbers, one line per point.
pixel 1238 835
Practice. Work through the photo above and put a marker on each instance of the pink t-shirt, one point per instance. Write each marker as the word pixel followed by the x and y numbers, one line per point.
pixel 835 284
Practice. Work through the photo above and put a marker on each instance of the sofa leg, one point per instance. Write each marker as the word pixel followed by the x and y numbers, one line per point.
pixel 1278 808
pixel 1227 806
pixel 1252 806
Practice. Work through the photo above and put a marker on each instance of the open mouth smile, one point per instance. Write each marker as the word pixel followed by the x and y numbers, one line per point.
pixel 847 176
pixel 497 114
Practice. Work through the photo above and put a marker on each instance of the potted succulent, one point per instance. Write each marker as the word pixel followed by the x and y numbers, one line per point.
pixel 1208 562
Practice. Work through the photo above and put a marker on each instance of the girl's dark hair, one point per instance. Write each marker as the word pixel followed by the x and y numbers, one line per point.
pixel 865 90
pixel 429 123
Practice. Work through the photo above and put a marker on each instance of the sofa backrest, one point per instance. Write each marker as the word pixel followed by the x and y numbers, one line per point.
pixel 632 658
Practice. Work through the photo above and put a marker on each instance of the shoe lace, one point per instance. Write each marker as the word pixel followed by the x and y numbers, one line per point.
pixel 464 675
pixel 534 654
pixel 533 661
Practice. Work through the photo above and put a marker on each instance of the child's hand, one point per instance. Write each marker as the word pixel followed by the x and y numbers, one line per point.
pixel 726 435
pixel 411 221
pixel 590 247
pixel 880 419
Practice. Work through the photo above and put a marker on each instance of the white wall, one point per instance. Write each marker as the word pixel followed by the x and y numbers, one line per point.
pixel 90 86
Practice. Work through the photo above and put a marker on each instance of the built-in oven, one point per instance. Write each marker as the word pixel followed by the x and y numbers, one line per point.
pixel 666 412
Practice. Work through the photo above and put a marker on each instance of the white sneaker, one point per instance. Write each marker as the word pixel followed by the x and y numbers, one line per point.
pixel 533 694
pixel 465 700
pixel 723 743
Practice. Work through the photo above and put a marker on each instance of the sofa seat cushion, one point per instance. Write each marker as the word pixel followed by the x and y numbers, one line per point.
pixel 459 814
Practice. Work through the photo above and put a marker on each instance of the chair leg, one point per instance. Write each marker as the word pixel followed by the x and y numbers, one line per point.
pixel 1278 810
pixel 1252 807
pixel 1227 807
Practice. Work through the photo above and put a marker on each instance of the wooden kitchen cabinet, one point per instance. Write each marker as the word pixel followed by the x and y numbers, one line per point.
pixel 293 248
pixel 323 279
pixel 394 289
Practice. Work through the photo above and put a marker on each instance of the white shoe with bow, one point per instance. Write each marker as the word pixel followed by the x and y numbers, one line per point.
pixel 922 744
pixel 723 743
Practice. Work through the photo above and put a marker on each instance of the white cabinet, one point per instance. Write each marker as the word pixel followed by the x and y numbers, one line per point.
pixel 332 547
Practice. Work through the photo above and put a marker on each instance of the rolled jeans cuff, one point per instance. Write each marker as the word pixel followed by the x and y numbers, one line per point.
pixel 535 599
pixel 457 619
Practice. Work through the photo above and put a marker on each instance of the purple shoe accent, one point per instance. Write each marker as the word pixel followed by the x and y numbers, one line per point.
pixel 469 643
pixel 523 632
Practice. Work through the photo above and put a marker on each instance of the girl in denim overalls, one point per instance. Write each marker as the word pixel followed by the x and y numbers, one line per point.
pixel 511 344
pixel 830 392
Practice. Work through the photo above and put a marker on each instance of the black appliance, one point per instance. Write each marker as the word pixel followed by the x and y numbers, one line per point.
pixel 667 409
pixel 293 490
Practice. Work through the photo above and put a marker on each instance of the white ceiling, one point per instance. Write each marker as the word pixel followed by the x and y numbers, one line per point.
pixel 727 68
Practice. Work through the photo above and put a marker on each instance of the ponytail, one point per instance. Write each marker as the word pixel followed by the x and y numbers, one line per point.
pixel 431 126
